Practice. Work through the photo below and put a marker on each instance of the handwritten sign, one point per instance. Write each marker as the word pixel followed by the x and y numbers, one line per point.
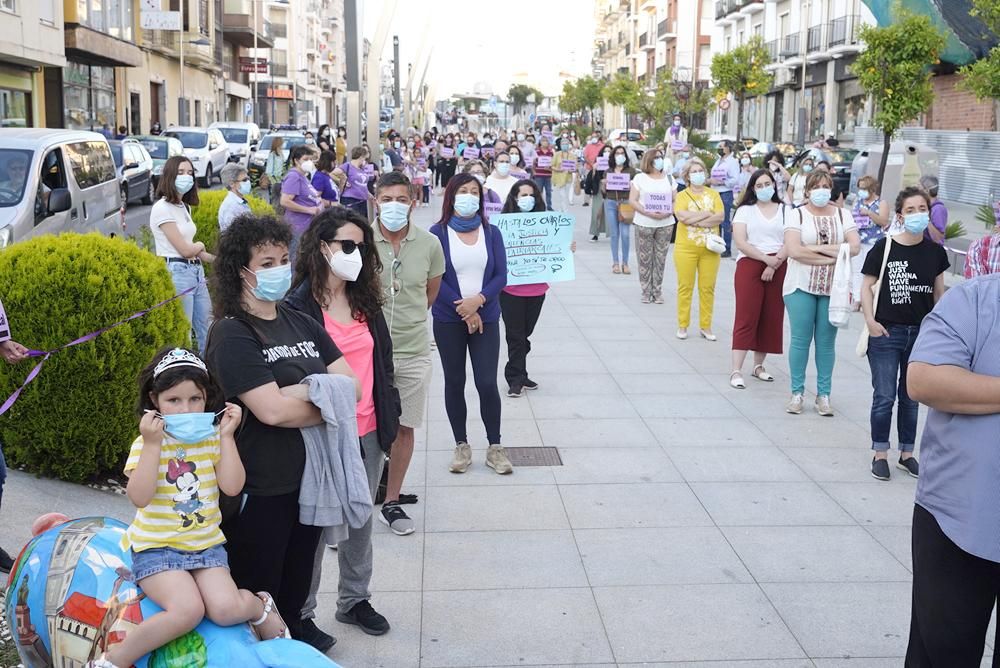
pixel 488 152
pixel 492 209
pixel 569 165
pixel 720 174
pixel 617 181
pixel 544 161
pixel 538 246
pixel 658 202
pixel 470 153
pixel 447 152
pixel 602 163
pixel 677 145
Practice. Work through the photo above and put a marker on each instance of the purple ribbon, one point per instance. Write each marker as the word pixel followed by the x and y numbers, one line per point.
pixel 46 354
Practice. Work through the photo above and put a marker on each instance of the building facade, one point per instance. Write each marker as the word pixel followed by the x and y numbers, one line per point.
pixel 31 40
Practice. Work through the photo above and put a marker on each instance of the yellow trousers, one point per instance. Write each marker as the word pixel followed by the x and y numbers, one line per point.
pixel 691 261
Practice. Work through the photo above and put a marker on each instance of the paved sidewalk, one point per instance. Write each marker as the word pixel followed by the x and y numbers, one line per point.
pixel 690 524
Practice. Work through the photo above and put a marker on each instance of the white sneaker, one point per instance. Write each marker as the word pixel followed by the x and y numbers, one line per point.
pixel 795 405
pixel 682 334
pixel 823 406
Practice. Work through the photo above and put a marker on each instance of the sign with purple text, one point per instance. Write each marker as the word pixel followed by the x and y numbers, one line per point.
pixel 488 152
pixel 538 245
pixel 470 153
pixel 720 174
pixel 492 209
pixel 369 169
pixel 677 145
pixel 601 163
pixel 569 165
pixel 617 181
pixel 447 152
pixel 543 161
pixel 658 202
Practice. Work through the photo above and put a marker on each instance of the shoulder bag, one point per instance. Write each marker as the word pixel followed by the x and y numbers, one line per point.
pixel 713 241
pixel 862 347
pixel 840 291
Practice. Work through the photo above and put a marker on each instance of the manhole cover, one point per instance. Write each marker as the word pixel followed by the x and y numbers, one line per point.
pixel 534 456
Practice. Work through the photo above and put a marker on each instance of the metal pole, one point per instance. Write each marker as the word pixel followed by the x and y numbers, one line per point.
pixel 803 113
pixel 254 116
pixel 373 71
pixel 270 92
pixel 395 73
pixel 352 71
pixel 183 36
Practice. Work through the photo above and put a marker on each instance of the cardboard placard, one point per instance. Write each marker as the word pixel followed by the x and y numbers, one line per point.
pixel 543 161
pixel 447 152
pixel 677 145
pixel 538 246
pixel 470 153
pixel 488 152
pixel 658 202
pixel 617 181
pixel 569 165
pixel 492 209
pixel 601 163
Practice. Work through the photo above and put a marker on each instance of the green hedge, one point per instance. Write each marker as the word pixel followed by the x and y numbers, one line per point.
pixel 206 215
pixel 77 418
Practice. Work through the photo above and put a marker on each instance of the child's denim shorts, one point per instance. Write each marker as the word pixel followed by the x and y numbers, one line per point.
pixel 158 559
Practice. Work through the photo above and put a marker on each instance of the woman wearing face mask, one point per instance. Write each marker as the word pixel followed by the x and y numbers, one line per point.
pixel 355 194
pixel 746 171
pixel 652 196
pixel 528 151
pixel 447 160
pixel 337 284
pixel 470 142
pixel 775 163
pixel 562 175
pixel 237 183
pixel 592 185
pixel 298 197
pixel 466 316
pixel 477 168
pixel 758 234
pixel 544 157
pixel 173 232
pixel 322 179
pixel 518 169
pixel 893 318
pixel 797 184
pixel 872 219
pixel 699 211
pixel 341 145
pixel 325 141
pixel 813 235
pixel 500 180
pixel 676 137
pixel 621 233
pixel 274 173
pixel 253 353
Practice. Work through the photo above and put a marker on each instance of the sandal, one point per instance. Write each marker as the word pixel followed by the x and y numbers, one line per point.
pixel 625 269
pixel 615 269
pixel 760 373
pixel 736 380
pixel 268 609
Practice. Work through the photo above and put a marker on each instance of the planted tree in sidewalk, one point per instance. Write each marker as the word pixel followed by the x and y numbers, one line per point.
pixel 740 72
pixel 623 91
pixel 589 93
pixel 983 76
pixel 895 69
pixel 518 95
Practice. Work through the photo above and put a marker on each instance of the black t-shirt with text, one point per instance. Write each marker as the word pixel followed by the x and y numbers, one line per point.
pixel 907 293
pixel 246 353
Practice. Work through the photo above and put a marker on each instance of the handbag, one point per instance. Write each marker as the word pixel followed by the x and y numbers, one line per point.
pixel 626 212
pixel 862 347
pixel 715 243
pixel 840 292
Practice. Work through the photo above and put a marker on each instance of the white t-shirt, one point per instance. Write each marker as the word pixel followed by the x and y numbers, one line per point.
pixel 500 185
pixel 814 279
pixel 645 184
pixel 765 234
pixel 165 212
pixel 469 262
pixel 798 187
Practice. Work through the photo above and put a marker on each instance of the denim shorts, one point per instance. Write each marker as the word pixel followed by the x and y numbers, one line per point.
pixel 158 559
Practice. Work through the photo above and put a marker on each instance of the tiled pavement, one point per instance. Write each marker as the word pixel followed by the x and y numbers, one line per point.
pixel 690 524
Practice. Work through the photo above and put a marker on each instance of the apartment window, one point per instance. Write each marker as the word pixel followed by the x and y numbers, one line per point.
pixel 9 6
pixel 15 108
pixel 112 17
pixel 46 11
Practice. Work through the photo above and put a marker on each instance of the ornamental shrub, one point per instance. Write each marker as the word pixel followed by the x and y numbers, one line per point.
pixel 77 418
pixel 206 216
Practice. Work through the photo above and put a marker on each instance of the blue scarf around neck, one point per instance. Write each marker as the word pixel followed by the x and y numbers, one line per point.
pixel 464 224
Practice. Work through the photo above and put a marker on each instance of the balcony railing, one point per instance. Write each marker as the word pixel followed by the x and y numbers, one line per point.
pixel 772 49
pixel 643 40
pixel 789 46
pixel 665 27
pixel 844 30
pixel 815 39
pixel 721 9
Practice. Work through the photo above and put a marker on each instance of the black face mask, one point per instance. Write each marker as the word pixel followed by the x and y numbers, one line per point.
pixel 722 152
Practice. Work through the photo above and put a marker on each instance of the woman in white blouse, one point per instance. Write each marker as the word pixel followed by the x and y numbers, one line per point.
pixel 652 196
pixel 758 234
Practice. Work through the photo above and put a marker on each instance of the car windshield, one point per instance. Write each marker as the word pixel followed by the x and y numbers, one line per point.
pixel 157 149
pixel 842 154
pixel 289 142
pixel 14 166
pixel 235 135
pixel 190 139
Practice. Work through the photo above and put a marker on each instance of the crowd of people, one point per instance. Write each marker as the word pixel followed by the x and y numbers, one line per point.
pixel 322 290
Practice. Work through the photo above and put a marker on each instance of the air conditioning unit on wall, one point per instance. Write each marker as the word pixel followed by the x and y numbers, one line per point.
pixel 782 77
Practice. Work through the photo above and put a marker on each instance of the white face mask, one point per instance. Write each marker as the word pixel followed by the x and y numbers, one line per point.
pixel 308 166
pixel 480 178
pixel 346 266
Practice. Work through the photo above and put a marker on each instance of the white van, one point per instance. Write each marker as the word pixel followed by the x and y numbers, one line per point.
pixel 205 147
pixel 54 181
pixel 241 137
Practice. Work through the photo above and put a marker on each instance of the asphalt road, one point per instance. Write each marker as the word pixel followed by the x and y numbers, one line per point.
pixel 137 215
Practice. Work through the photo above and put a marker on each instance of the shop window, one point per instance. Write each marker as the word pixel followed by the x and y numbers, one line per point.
pixel 15 108
pixel 851 108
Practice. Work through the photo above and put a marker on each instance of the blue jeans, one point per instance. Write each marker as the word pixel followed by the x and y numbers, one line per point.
pixel 888 357
pixel 197 305
pixel 544 184
pixel 727 223
pixel 809 317
pixel 617 231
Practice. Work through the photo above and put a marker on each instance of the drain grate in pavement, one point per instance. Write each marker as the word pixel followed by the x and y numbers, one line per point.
pixel 534 456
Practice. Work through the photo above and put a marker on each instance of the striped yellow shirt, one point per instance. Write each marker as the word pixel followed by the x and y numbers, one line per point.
pixel 184 512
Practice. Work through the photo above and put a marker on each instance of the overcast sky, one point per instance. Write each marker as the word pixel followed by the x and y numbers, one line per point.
pixel 495 41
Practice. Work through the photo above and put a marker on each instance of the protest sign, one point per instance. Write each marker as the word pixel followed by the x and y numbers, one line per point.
pixel 602 163
pixel 569 165
pixel 617 181
pixel 543 161
pixel 537 246
pixel 447 152
pixel 470 153
pixel 658 202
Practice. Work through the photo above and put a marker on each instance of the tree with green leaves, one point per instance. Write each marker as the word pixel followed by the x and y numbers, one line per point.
pixel 623 91
pixel 895 69
pixel 983 76
pixel 518 95
pixel 589 92
pixel 569 101
pixel 740 72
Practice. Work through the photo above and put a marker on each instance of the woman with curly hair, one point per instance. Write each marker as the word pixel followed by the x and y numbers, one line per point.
pixel 337 285
pixel 260 351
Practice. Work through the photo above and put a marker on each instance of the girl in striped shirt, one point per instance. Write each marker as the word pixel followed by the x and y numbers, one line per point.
pixel 176 469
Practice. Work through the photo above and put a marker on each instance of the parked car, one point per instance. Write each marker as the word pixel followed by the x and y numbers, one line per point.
pixel 840 159
pixel 632 140
pixel 207 149
pixel 241 137
pixel 54 181
pixel 160 149
pixel 258 159
pixel 134 167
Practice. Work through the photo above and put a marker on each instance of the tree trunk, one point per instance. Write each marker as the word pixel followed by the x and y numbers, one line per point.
pixel 886 144
pixel 739 119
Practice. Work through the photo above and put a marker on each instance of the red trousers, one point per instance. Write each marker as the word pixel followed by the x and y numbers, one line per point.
pixel 760 308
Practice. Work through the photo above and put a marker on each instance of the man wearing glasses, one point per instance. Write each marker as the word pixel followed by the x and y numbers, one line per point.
pixel 412 266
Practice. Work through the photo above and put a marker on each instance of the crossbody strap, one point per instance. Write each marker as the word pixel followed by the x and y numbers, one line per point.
pixel 881 273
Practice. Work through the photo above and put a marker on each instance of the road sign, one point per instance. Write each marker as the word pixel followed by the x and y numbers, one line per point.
pixel 248 108
pixel 724 104
pixel 247 65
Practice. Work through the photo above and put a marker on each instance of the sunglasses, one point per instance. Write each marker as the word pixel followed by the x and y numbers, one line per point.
pixel 348 246
pixel 395 286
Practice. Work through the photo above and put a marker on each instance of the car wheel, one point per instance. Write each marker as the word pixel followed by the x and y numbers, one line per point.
pixel 150 192
pixel 207 181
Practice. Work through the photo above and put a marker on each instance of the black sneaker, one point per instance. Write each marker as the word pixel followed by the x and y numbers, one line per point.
pixel 396 519
pixel 6 563
pixel 910 466
pixel 530 385
pixel 364 615
pixel 593 238
pixel 727 254
pixel 586 203
pixel 880 469
pixel 515 391
pixel 310 634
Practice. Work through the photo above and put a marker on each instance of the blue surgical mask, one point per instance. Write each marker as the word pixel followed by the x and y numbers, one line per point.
pixel 184 183
pixel 245 187
pixel 863 195
pixel 466 205
pixel 658 164
pixel 820 196
pixel 619 159
pixel 503 168
pixel 526 203
pixel 807 168
pixel 190 427
pixel 394 215
pixel 916 223
pixel 273 283
pixel 765 194
pixel 697 178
